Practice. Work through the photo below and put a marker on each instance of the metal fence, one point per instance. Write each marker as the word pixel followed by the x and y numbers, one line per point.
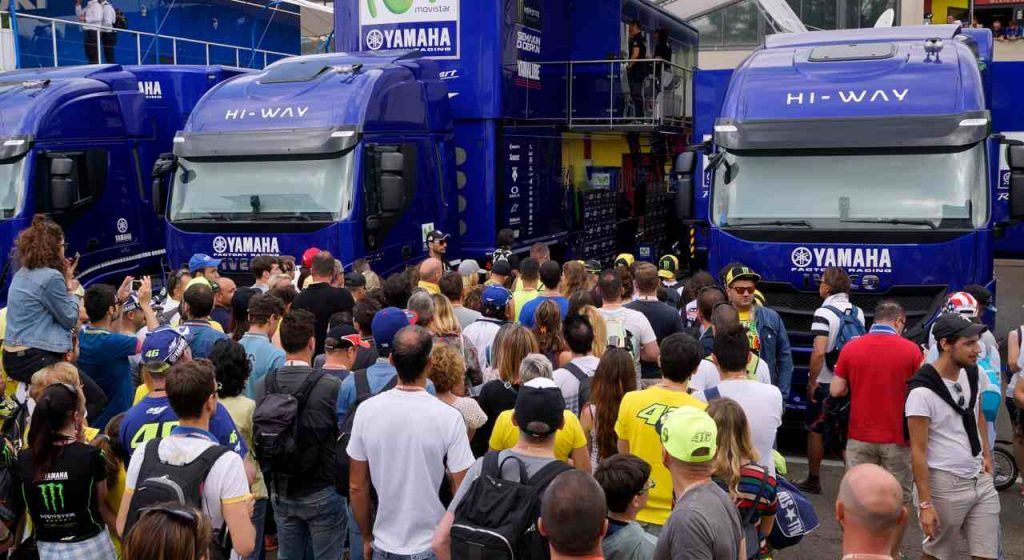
pixel 615 94
pixel 42 42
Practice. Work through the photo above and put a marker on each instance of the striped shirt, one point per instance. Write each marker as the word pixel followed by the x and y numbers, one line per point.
pixel 756 490
pixel 827 323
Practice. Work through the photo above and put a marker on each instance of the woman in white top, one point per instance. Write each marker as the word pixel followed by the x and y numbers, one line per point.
pixel 615 376
pixel 447 369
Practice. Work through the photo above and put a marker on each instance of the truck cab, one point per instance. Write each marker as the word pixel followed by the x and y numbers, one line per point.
pixel 78 143
pixel 863 149
pixel 350 153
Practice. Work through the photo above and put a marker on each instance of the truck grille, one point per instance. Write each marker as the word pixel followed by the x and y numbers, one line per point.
pixel 797 307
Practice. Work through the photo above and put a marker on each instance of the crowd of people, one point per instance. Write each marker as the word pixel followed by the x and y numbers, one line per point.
pixel 524 409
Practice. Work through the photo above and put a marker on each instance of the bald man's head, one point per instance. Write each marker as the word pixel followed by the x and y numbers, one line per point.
pixel 430 270
pixel 870 497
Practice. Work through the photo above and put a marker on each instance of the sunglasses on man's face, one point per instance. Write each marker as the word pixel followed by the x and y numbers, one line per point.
pixel 743 290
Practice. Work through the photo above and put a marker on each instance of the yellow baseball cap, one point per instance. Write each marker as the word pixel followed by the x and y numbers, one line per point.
pixel 624 259
pixel 202 280
pixel 689 434
pixel 667 267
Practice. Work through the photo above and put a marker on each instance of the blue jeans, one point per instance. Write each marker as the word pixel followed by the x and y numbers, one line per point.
pixel 259 514
pixel 425 555
pixel 355 539
pixel 317 520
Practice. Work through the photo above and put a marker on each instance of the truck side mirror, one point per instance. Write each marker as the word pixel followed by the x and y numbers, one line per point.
pixel 63 186
pixel 682 182
pixel 1015 159
pixel 163 165
pixel 392 183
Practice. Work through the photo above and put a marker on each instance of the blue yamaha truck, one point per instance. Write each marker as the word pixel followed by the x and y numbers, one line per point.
pixel 79 143
pixel 864 149
pixel 466 117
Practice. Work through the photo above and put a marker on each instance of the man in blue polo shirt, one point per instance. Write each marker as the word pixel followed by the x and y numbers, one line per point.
pixel 105 355
pixel 153 416
pixel 386 323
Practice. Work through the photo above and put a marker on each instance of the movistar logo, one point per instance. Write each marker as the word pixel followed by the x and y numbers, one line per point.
pixel 393 6
pixel 53 496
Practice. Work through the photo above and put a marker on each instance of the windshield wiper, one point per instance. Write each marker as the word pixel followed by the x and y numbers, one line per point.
pixel 893 221
pixel 798 223
pixel 212 217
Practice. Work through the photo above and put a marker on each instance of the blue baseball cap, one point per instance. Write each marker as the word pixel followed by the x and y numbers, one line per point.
pixel 162 348
pixel 496 296
pixel 387 322
pixel 200 261
pixel 131 304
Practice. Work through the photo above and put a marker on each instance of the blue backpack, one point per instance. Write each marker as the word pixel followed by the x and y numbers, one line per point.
pixel 794 516
pixel 849 328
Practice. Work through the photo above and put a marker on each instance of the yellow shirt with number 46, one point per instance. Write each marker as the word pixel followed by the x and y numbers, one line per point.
pixel 638 415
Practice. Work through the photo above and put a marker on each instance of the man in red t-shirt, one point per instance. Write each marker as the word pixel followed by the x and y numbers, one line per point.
pixel 874 370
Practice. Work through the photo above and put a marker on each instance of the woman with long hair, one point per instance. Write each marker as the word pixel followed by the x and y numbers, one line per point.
pixel 445 370
pixel 446 328
pixel 615 376
pixel 232 368
pixel 749 484
pixel 512 343
pixel 42 301
pixel 64 481
pixel 574 278
pixel 547 328
pixel 169 532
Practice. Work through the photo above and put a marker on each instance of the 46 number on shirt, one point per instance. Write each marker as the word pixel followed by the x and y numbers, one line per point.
pixel 152 431
pixel 654 412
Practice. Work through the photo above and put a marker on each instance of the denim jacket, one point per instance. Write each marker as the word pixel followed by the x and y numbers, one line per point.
pixel 40 311
pixel 775 349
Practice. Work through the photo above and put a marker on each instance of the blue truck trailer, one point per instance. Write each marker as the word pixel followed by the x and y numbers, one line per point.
pixel 466 117
pixel 865 149
pixel 79 144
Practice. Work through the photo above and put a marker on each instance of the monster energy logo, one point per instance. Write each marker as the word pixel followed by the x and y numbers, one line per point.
pixel 52 492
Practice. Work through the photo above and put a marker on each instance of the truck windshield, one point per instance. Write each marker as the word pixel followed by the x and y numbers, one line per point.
pixel 879 189
pixel 11 193
pixel 275 189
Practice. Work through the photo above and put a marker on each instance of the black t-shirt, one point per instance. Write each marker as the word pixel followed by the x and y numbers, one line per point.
pixel 495 397
pixel 63 505
pixel 665 321
pixel 663 51
pixel 323 300
pixel 638 70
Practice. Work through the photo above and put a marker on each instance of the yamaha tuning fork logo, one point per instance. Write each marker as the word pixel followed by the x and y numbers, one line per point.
pixel 430 26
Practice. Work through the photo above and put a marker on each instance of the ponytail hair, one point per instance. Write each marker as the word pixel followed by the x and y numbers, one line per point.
pixel 54 410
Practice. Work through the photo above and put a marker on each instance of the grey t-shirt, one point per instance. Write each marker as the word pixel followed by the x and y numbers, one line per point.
pixel 466 315
pixel 509 471
pixel 704 524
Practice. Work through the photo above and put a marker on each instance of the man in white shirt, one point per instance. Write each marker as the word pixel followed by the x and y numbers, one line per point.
pixel 108 36
pixel 404 440
pixel 950 455
pixel 834 288
pixel 579 335
pixel 192 392
pixel 761 401
pixel 496 306
pixel 92 16
pixel 624 323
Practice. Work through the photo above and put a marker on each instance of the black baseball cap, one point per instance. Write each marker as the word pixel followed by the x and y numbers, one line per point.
pixel 950 325
pixel 539 408
pixel 355 280
pixel 502 268
pixel 437 235
pixel 593 266
pixel 342 337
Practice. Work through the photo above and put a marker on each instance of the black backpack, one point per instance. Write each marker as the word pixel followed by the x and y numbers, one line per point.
pixel 497 518
pixel 275 428
pixel 363 392
pixel 161 483
pixel 585 381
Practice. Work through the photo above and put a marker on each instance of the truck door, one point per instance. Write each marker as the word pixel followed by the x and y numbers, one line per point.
pixel 400 199
pixel 92 191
